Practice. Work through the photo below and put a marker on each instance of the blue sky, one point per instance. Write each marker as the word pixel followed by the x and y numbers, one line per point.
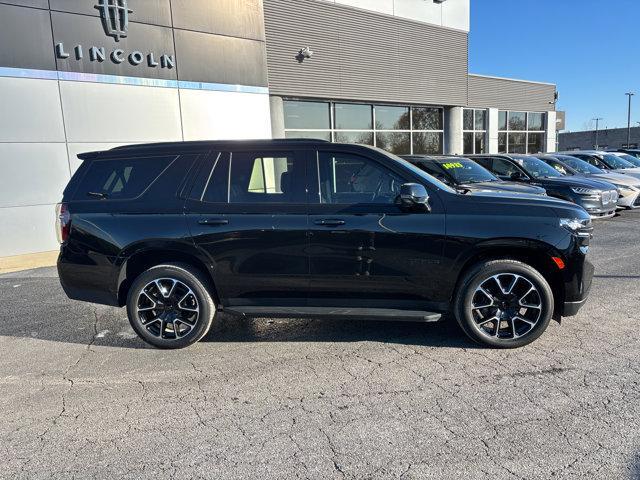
pixel 589 48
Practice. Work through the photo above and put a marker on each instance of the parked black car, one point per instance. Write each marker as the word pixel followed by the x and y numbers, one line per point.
pixel 599 199
pixel 287 228
pixel 468 176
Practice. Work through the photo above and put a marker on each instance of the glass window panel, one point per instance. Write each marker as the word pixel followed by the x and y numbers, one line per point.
pixel 347 179
pixel 480 142
pixel 468 143
pixel 306 115
pixel 536 121
pixel 481 120
pixel 517 143
pixel 266 179
pixel 517 121
pixel 536 142
pixel 353 116
pixel 427 143
pixel 392 118
pixel 394 142
pixel 502 143
pixel 308 134
pixel 365 138
pixel 467 121
pixel 427 118
pixel 502 120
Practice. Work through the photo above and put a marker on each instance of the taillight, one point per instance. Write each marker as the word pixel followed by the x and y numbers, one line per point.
pixel 63 222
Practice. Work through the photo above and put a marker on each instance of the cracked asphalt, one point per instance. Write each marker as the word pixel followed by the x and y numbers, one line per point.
pixel 82 397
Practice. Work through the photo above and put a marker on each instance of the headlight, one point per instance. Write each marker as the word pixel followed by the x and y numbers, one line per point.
pixel 578 226
pixel 585 191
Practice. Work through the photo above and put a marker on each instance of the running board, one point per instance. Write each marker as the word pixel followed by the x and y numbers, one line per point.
pixel 378 314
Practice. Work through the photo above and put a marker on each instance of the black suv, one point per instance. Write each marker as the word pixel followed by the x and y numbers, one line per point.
pixel 295 229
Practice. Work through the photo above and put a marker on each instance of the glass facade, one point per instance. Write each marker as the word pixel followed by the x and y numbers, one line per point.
pixel 521 132
pixel 474 125
pixel 399 129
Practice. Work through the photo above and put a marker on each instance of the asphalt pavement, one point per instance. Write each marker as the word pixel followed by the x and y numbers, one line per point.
pixel 82 397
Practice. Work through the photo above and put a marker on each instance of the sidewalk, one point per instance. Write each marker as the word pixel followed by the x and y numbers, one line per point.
pixel 27 262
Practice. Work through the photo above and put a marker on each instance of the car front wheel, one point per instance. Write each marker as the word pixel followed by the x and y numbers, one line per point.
pixel 504 304
pixel 169 306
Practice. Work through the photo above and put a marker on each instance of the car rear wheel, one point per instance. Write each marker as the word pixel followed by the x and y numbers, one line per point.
pixel 504 304
pixel 169 306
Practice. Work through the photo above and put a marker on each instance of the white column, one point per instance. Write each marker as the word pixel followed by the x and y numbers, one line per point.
pixel 453 144
pixel 551 136
pixel 492 130
pixel 277 117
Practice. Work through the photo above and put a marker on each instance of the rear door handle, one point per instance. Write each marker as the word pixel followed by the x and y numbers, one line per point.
pixel 214 222
pixel 328 222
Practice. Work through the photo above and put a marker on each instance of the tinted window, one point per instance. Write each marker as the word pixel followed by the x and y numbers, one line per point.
pixel 467 121
pixel 536 142
pixel 502 120
pixel 427 118
pixel 353 116
pixel 364 138
pixel 517 121
pixel 216 181
pixel 427 143
pixel 537 168
pixel 580 165
pixel 434 171
pixel 351 179
pixel 266 178
pixel 481 120
pixel 467 171
pixel 306 115
pixel 394 142
pixel 468 142
pixel 617 162
pixel 121 179
pixel 503 167
pixel 392 118
pixel 536 121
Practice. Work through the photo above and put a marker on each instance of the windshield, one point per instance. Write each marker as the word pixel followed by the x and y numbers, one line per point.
pixel 433 181
pixel 537 168
pixel 631 159
pixel 580 165
pixel 616 162
pixel 466 171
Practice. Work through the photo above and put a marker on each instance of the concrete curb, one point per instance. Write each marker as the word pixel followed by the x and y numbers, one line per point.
pixel 27 262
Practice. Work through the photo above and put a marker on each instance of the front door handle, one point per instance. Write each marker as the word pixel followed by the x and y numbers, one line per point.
pixel 214 222
pixel 329 222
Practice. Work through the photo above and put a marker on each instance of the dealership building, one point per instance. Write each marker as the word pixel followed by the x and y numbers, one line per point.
pixel 83 75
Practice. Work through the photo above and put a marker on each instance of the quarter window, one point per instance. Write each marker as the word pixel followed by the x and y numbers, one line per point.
pixel 120 179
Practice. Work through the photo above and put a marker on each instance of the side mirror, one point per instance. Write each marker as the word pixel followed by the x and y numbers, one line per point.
pixel 414 195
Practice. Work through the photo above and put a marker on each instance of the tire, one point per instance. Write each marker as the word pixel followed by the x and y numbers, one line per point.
pixel 169 306
pixel 518 319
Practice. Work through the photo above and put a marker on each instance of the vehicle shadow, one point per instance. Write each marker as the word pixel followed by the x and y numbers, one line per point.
pixel 228 328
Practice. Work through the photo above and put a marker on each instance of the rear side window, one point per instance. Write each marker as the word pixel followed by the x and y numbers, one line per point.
pixel 121 179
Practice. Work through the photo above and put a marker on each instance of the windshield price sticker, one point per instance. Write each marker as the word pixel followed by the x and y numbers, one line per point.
pixel 452 165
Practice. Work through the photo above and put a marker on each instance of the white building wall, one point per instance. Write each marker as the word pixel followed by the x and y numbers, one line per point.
pixel 46 123
pixel 450 14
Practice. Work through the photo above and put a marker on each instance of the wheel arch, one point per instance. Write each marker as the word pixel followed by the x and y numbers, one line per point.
pixel 144 257
pixel 533 253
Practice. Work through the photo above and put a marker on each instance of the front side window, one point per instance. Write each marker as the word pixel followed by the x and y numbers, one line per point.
pixel 538 169
pixel 348 179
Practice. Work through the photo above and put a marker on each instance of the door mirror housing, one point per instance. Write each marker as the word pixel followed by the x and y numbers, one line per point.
pixel 414 195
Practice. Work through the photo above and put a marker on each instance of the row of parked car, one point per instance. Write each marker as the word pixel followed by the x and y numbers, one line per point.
pixel 600 182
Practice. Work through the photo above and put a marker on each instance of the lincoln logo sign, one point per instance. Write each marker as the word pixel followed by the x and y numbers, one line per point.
pixel 115 17
pixel 115 20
